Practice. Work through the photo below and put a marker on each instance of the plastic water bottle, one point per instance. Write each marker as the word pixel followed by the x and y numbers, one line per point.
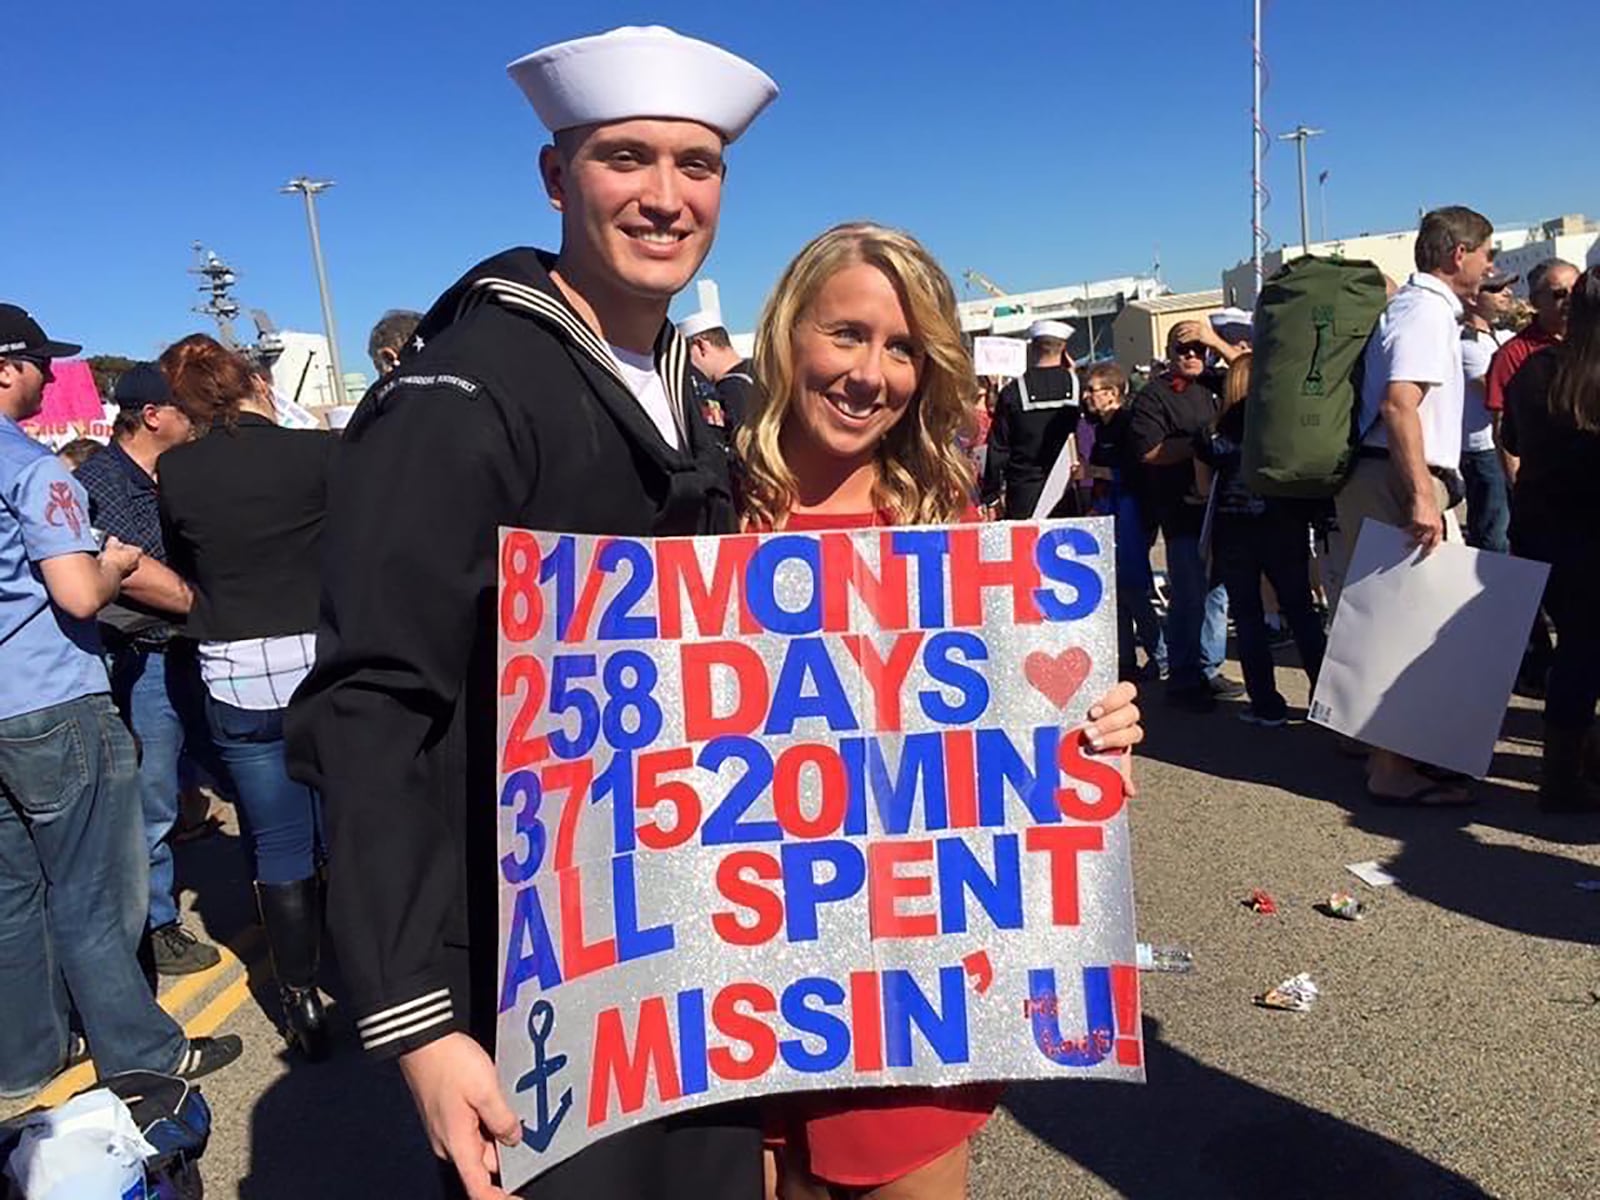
pixel 1174 960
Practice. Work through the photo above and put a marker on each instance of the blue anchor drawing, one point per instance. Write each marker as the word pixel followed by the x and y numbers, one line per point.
pixel 541 1020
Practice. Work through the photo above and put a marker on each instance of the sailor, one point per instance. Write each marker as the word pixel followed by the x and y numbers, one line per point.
pixel 732 376
pixel 1234 326
pixel 1034 420
pixel 549 392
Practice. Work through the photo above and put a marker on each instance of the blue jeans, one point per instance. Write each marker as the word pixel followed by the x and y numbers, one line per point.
pixel 281 819
pixel 1197 618
pixel 1488 501
pixel 158 693
pixel 73 894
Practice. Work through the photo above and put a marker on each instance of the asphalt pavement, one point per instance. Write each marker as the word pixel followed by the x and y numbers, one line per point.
pixel 1453 1051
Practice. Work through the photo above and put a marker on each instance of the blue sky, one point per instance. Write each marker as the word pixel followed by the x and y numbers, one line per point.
pixel 1039 143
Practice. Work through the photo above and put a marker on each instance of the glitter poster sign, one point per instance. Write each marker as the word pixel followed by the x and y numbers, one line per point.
pixel 795 811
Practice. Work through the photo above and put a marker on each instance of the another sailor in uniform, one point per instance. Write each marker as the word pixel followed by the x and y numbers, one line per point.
pixel 1034 419
pixel 733 378
pixel 548 392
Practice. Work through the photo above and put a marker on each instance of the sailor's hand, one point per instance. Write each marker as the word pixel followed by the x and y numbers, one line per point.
pixel 458 1095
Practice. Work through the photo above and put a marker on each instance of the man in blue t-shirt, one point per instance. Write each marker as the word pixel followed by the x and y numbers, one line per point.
pixel 73 872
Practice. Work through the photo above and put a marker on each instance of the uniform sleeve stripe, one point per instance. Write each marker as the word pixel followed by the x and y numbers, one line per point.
pixel 427 1010
pixel 420 1019
pixel 384 1015
pixel 415 1027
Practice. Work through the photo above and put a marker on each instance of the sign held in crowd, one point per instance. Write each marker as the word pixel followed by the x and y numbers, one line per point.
pixel 1006 357
pixel 795 811
pixel 1424 649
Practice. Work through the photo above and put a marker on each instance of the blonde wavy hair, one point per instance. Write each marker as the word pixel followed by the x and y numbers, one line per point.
pixel 923 477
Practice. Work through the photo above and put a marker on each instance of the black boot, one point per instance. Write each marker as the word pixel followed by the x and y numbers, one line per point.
pixel 292 915
pixel 1563 784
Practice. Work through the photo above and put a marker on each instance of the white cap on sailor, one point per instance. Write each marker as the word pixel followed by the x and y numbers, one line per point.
pixel 1224 317
pixel 642 71
pixel 698 323
pixel 1059 330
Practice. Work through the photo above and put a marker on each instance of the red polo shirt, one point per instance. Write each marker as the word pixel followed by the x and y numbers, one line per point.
pixel 1508 361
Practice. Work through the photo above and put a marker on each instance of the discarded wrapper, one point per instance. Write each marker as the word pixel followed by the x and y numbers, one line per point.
pixel 1292 995
pixel 1344 906
pixel 1261 902
pixel 1371 874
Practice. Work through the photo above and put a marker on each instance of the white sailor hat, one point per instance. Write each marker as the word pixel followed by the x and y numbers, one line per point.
pixel 1059 330
pixel 1222 318
pixel 697 323
pixel 642 71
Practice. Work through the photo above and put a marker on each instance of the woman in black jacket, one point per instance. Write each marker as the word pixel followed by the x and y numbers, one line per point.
pixel 242 509
pixel 1552 424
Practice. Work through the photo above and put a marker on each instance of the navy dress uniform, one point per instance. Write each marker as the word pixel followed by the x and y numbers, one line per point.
pixel 1034 417
pixel 511 413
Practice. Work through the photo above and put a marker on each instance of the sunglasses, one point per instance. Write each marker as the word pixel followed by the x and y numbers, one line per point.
pixel 1558 294
pixel 1191 350
pixel 42 363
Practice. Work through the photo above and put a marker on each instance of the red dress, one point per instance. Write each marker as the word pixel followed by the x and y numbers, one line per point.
pixel 866 1137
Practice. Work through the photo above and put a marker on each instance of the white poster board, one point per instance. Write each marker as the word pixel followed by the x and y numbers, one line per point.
pixel 1424 650
pixel 1004 356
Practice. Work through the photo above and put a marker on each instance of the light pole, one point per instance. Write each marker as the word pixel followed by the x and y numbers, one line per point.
pixel 1257 131
pixel 309 189
pixel 1300 137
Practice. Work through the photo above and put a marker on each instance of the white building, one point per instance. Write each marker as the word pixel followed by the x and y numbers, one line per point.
pixel 1573 238
pixel 1089 307
pixel 1392 253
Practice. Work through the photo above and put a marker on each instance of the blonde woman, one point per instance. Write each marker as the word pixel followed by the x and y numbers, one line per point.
pixel 867 387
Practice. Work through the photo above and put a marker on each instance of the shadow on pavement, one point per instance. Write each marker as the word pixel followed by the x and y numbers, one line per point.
pixel 1202 1134
pixel 1441 860
pixel 341 1128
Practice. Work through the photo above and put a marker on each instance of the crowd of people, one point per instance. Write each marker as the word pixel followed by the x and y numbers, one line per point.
pixel 211 599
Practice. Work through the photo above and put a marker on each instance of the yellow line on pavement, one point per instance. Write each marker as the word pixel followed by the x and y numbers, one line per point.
pixel 176 997
pixel 222 1006
pixel 203 1024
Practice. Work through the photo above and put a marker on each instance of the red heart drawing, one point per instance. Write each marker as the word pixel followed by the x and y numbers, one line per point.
pixel 1057 677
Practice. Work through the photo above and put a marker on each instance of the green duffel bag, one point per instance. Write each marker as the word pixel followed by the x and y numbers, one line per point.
pixel 1312 323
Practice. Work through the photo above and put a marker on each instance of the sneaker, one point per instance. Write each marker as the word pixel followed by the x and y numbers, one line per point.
pixel 1224 688
pixel 179 952
pixel 1251 717
pixel 208 1054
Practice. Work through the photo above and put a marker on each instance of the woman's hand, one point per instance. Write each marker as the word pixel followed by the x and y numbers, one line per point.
pixel 1114 727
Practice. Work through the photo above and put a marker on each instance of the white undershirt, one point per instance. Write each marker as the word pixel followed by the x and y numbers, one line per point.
pixel 639 372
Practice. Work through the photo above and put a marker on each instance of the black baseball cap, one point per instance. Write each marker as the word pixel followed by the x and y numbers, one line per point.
pixel 1496 281
pixel 141 384
pixel 21 336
